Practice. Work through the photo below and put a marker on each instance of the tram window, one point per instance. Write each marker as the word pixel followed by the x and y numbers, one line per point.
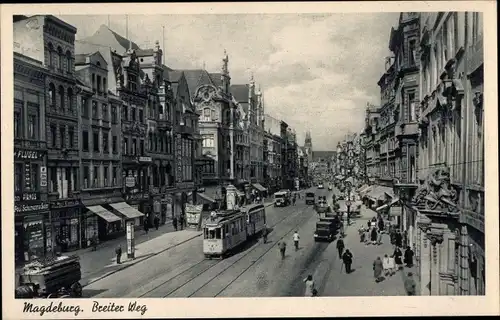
pixel 205 234
pixel 211 234
pixel 218 233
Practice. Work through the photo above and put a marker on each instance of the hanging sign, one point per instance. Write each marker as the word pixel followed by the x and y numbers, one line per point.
pixel 43 176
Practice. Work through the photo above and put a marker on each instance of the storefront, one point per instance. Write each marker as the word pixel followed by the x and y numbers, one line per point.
pixel 101 222
pixel 127 212
pixel 166 207
pixel 65 217
pixel 29 232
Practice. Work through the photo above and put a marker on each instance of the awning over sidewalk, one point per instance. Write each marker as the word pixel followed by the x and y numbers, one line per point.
pixel 259 187
pixel 125 209
pixel 388 204
pixel 365 191
pixel 206 197
pixel 378 193
pixel 363 187
pixel 103 213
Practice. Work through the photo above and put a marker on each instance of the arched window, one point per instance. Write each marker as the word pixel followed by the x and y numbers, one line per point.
pixel 61 97
pixel 59 58
pixel 70 100
pixel 51 54
pixel 69 62
pixel 52 95
pixel 104 85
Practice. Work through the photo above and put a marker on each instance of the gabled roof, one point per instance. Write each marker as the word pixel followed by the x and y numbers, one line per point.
pixel 174 75
pixel 216 79
pixel 240 92
pixel 108 38
pixel 81 58
pixel 196 78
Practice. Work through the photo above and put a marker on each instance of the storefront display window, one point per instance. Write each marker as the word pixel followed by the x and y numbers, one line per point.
pixel 89 229
pixel 34 242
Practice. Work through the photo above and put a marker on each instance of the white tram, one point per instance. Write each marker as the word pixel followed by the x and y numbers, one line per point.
pixel 229 229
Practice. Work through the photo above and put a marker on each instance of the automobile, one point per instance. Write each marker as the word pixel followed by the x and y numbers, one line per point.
pixel 281 199
pixel 330 187
pixel 320 186
pixel 325 230
pixel 310 198
pixel 322 206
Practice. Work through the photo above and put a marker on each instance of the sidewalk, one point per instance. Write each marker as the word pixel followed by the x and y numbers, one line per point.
pixel 361 281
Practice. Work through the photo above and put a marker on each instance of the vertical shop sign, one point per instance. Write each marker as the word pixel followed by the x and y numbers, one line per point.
pixel 130 240
pixel 178 147
pixel 43 176
pixel 27 175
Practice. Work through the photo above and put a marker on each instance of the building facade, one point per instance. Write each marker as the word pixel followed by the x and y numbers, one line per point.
pixel 450 235
pixel 273 155
pixel 31 207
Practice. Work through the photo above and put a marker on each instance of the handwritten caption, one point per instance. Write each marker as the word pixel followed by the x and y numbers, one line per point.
pixel 60 307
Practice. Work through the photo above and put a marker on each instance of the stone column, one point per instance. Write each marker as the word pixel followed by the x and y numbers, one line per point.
pixel 463 273
pixel 425 271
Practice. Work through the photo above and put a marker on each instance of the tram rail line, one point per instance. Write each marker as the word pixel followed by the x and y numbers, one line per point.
pixel 249 266
pixel 210 263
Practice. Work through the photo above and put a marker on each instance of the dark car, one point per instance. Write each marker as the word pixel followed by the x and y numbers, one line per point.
pixel 325 230
pixel 310 197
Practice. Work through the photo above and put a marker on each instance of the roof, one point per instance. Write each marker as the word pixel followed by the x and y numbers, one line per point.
pixel 174 75
pixel 216 78
pixel 81 58
pixel 196 78
pixel 240 92
pixel 106 37
pixel 144 53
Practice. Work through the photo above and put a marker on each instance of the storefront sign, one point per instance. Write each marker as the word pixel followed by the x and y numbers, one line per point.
pixel 27 175
pixel 137 196
pixel 28 154
pixel 193 214
pixel 184 185
pixel 130 239
pixel 145 159
pixel 178 149
pixel 43 176
pixel 64 204
pixel 28 196
pixel 23 208
pixel 157 206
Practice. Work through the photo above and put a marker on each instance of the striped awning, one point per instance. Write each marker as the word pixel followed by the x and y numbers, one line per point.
pixel 126 210
pixel 103 213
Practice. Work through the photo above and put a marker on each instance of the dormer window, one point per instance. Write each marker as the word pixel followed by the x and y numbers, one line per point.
pixel 132 82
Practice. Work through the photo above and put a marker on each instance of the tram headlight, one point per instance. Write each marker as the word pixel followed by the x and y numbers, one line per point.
pixel 315 235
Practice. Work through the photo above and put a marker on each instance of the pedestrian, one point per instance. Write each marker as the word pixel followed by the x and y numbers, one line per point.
pixel 373 235
pixel 405 238
pixel 294 199
pixel 381 225
pixel 157 222
pixel 408 257
pixel 94 242
pixel 347 259
pixel 282 247
pixel 397 258
pixel 309 286
pixel 399 239
pixel 264 234
pixel 379 237
pixel 410 285
pixel 340 246
pixel 386 265
pixel 296 238
pixel 368 224
pixel 393 236
pixel 315 293
pixel 146 225
pixel 174 223
pixel 181 221
pixel 118 252
pixel 378 267
pixel 362 234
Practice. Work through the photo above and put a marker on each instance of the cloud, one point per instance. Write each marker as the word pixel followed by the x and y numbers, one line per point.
pixel 317 71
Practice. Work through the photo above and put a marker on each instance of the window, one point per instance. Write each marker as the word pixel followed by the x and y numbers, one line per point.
pixel 115 176
pixel 85 140
pixel 125 146
pixel 106 176
pixel 132 82
pixel 114 115
pixel 413 52
pixel 85 108
pixel 62 131
pixel 52 95
pixel 105 142
pixel 61 97
pixel 150 141
pixel 412 116
pixel 125 113
pixel 93 82
pixel 70 100
pixel 95 141
pixel 53 135
pixel 99 84
pixel 133 114
pixel 105 112
pixel 71 137
pixel 104 85
pixel 34 177
pixel 134 146
pixel 96 177
pixel 32 127
pixel 142 147
pixel 115 144
pixel 18 177
pixel 86 176
pixel 59 59
pixel 51 55
pixel 69 62
pixel 94 110
pixel 17 125
pixel 141 116
pixel 53 179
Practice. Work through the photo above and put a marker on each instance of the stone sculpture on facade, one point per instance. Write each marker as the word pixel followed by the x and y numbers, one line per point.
pixel 436 192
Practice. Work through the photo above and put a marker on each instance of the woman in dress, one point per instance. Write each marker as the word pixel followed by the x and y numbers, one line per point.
pixel 398 257
pixel 377 269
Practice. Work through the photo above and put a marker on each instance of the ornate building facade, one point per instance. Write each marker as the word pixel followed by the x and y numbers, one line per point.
pixel 272 154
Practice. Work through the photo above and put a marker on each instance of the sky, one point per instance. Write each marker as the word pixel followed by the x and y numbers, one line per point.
pixel 316 71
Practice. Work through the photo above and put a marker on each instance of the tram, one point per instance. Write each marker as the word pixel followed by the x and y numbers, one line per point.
pixel 226 230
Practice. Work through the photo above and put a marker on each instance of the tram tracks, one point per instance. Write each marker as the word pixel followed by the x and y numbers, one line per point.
pixel 185 277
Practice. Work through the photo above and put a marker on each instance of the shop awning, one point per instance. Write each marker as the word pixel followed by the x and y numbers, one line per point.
pixel 365 191
pixel 128 211
pixel 388 204
pixel 378 193
pixel 363 187
pixel 207 198
pixel 259 187
pixel 103 213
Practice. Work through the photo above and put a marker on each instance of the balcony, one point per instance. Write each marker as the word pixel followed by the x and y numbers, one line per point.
pixel 183 129
pixel 407 130
pixel 164 122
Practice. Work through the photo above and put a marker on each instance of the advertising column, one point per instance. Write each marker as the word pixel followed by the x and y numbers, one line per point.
pixel 130 239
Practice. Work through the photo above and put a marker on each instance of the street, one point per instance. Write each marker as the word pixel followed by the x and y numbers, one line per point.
pixel 255 270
